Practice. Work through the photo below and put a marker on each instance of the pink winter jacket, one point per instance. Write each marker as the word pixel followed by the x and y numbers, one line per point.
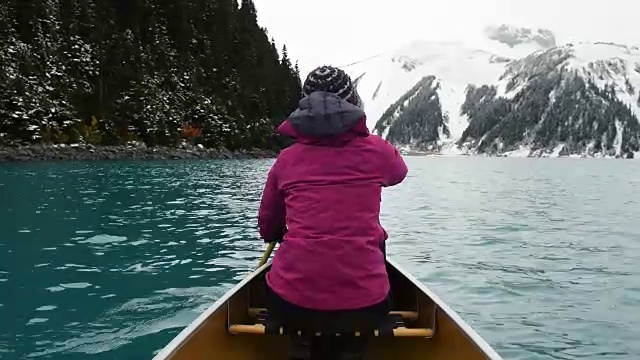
pixel 326 189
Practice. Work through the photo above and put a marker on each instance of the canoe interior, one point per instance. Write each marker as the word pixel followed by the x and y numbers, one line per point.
pixel 211 339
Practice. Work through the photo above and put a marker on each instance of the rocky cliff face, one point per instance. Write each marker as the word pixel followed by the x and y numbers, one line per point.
pixel 551 105
pixel 513 36
pixel 416 119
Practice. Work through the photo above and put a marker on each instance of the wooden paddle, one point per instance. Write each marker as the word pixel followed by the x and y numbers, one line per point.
pixel 265 257
pixel 267 254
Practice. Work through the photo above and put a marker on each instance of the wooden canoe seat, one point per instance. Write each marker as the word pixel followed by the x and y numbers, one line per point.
pixel 396 326
pixel 407 315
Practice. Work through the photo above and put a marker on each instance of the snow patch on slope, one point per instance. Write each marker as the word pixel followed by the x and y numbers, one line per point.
pixel 388 77
pixel 523 151
pixel 513 36
pixel 608 63
pixel 479 59
pixel 507 59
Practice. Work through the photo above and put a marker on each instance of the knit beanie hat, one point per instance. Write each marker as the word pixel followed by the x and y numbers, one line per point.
pixel 332 80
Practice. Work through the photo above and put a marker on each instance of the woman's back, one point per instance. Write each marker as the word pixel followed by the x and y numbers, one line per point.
pixel 327 189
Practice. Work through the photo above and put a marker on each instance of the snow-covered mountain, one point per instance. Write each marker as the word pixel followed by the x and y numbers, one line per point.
pixel 513 91
pixel 514 36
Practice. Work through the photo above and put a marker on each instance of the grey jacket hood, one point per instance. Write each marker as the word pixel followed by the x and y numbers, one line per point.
pixel 322 114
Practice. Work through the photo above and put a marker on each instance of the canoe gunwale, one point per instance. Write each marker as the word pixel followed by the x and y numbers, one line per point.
pixel 442 306
pixel 191 329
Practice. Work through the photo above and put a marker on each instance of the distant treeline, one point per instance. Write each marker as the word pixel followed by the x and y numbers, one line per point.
pixel 158 71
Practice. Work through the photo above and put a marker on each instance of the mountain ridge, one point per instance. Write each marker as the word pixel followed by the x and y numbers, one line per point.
pixel 593 79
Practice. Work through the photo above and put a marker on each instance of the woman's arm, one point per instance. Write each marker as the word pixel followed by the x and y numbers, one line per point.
pixel 272 213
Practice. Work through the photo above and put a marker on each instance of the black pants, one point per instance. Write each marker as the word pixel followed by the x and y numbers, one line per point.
pixel 309 321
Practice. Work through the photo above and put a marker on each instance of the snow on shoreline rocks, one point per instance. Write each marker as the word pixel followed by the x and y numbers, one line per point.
pixel 78 152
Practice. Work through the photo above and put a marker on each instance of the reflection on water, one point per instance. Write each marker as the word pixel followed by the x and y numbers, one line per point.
pixel 113 259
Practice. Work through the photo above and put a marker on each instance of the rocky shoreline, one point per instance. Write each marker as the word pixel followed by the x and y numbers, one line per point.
pixel 78 152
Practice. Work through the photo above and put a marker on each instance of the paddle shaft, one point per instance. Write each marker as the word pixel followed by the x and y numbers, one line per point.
pixel 267 254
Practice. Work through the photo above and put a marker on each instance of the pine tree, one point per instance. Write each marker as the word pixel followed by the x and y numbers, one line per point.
pixel 107 72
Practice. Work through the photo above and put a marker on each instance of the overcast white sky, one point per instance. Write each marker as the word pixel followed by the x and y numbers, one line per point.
pixel 342 31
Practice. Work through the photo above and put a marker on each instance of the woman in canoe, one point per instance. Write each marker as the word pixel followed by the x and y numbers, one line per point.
pixel 322 199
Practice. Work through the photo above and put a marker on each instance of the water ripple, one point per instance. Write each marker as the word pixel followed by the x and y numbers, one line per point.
pixel 539 256
pixel 111 260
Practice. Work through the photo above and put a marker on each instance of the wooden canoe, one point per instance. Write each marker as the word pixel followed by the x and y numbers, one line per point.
pixel 229 329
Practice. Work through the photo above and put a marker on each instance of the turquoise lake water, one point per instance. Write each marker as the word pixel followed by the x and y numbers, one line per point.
pixel 111 260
